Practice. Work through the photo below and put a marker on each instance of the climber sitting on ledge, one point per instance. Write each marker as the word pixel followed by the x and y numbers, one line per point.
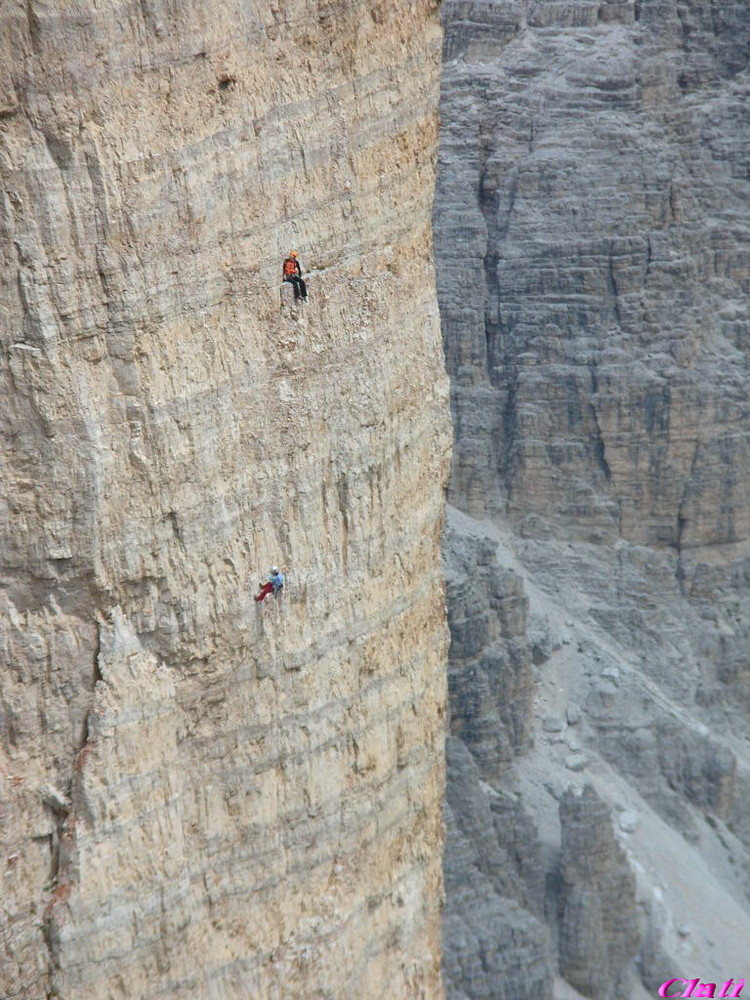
pixel 293 273
pixel 274 585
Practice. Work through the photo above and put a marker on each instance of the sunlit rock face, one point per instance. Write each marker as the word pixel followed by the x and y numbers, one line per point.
pixel 201 796
pixel 592 218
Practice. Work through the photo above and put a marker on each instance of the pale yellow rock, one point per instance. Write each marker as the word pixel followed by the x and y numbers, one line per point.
pixel 255 789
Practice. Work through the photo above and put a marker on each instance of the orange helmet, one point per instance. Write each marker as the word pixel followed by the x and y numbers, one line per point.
pixel 292 253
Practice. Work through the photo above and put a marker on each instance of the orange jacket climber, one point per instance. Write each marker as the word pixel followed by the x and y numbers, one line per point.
pixel 292 272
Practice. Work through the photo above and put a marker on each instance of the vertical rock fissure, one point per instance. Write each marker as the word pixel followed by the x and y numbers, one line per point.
pixel 34 25
pixel 682 521
pixel 508 451
pixel 489 201
pixel 613 289
pixel 599 445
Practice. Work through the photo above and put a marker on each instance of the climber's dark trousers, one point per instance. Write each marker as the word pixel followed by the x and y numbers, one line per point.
pixel 300 288
pixel 266 589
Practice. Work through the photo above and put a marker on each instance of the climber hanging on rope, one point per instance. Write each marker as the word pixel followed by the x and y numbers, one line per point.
pixel 275 584
pixel 293 273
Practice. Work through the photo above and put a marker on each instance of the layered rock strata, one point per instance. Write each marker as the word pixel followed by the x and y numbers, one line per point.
pixel 591 239
pixel 201 796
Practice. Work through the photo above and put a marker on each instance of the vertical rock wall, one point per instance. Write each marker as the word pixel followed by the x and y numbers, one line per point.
pixel 592 247
pixel 201 796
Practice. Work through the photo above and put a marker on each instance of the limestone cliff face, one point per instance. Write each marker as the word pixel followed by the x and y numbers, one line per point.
pixel 592 246
pixel 201 796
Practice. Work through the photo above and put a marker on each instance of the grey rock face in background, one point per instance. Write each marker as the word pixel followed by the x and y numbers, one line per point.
pixel 592 225
pixel 591 231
